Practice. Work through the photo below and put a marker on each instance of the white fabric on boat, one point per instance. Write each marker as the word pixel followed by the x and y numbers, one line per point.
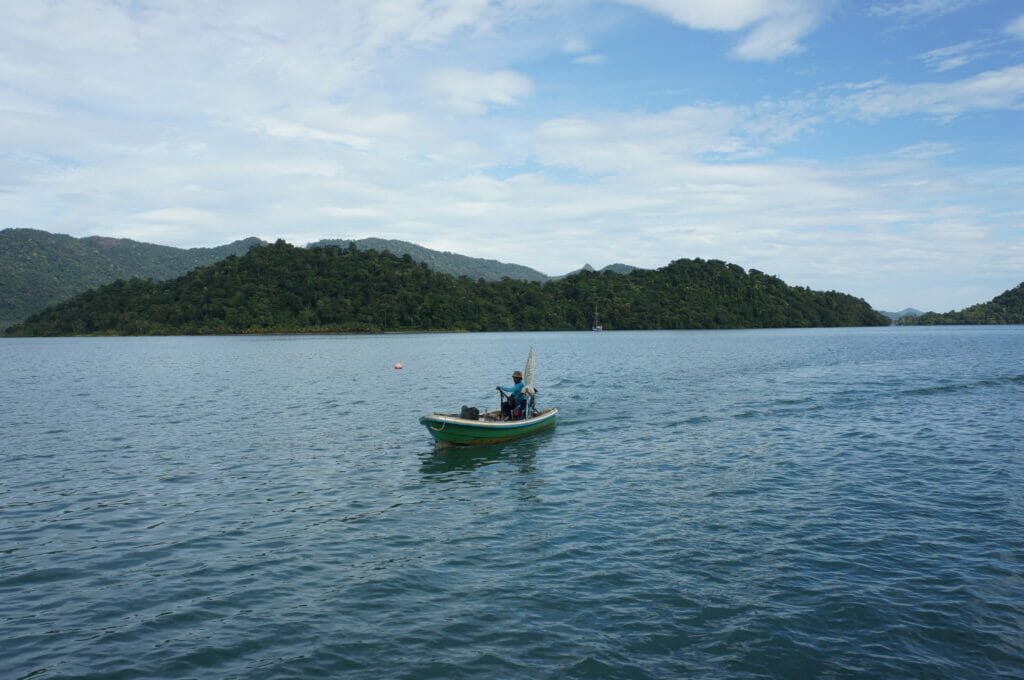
pixel 531 363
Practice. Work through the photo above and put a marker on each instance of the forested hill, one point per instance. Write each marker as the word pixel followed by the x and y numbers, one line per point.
pixel 282 288
pixel 38 269
pixel 444 262
pixel 1005 308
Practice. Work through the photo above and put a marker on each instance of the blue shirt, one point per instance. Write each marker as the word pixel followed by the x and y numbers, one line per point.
pixel 517 391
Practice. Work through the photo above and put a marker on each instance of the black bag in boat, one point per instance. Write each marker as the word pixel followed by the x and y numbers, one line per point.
pixel 470 413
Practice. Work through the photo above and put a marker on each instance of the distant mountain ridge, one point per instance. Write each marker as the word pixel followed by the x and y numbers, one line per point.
pixel 444 262
pixel 909 311
pixel 618 268
pixel 461 265
pixel 38 269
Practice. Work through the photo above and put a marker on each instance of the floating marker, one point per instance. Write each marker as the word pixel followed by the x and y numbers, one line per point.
pixel 398 366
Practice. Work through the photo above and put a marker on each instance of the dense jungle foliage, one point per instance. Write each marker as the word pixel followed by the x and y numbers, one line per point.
pixel 1005 308
pixel 38 269
pixel 442 261
pixel 282 288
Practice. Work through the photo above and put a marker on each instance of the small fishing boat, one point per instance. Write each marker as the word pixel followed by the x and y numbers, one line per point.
pixel 488 428
pixel 493 427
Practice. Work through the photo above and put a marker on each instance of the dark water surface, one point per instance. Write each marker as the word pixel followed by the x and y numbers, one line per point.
pixel 745 504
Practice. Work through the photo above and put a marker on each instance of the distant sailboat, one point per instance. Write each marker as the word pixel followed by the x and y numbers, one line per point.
pixel 597 325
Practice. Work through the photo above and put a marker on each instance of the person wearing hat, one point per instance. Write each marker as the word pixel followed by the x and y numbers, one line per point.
pixel 515 406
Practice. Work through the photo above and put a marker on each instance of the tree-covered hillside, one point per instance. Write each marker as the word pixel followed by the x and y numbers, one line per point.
pixel 1005 308
pixel 281 288
pixel 444 262
pixel 38 269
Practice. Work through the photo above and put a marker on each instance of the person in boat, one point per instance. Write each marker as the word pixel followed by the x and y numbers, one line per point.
pixel 514 407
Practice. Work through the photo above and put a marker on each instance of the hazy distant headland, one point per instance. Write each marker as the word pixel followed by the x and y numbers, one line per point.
pixel 909 311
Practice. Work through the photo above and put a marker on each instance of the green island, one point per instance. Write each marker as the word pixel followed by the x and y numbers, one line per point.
pixel 1005 308
pixel 39 269
pixel 281 288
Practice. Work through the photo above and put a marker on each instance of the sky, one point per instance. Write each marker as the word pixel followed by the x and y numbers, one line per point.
pixel 874 147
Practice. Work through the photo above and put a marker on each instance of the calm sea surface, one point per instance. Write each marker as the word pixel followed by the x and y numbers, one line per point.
pixel 740 504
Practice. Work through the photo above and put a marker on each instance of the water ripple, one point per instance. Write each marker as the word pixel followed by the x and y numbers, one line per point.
pixel 791 504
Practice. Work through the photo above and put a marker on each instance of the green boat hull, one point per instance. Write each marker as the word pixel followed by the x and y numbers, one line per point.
pixel 453 430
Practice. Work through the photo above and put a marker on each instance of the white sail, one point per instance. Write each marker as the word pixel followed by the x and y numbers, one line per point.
pixel 531 363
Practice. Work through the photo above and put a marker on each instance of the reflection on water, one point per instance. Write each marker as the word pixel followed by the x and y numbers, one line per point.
pixel 520 453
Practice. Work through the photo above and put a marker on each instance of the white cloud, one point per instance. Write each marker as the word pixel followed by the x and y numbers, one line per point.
pixel 988 91
pixel 74 27
pixel 953 56
pixel 283 128
pixel 215 56
pixel 810 225
pixel 576 46
pixel 925 150
pixel 715 15
pixel 637 143
pixel 642 142
pixel 349 125
pixel 919 8
pixel 348 212
pixel 774 27
pixel 175 215
pixel 473 92
pixel 778 35
pixel 580 50
pixel 1016 27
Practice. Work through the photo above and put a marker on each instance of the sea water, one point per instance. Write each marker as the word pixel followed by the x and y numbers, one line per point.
pixel 796 504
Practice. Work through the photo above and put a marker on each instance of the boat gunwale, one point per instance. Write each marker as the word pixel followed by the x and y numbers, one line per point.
pixel 449 419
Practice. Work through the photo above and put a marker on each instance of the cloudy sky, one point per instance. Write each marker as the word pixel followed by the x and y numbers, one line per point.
pixel 874 147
